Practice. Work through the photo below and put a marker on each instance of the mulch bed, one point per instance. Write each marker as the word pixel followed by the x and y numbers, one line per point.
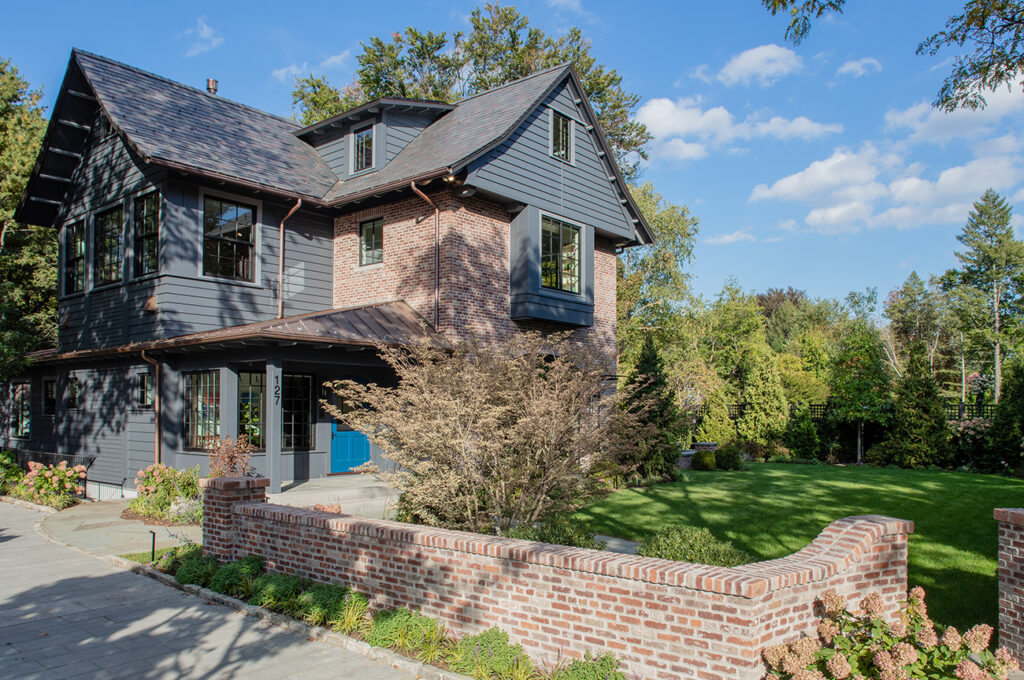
pixel 154 521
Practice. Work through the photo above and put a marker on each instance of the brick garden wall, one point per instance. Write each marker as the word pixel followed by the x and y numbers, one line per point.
pixel 1011 580
pixel 664 619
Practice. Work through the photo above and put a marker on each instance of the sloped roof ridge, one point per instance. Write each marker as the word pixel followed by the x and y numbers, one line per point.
pixel 175 83
pixel 517 81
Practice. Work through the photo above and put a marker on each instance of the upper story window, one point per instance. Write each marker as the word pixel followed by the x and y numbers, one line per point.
pixel 49 397
pixel 74 393
pixel 362 155
pixel 561 136
pixel 109 246
pixel 147 234
pixel 229 237
pixel 74 258
pixel 371 242
pixel 201 417
pixel 559 255
pixel 21 411
pixel 145 389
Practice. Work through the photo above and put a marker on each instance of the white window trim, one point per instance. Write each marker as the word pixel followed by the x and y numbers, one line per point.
pixel 551 136
pixel 257 246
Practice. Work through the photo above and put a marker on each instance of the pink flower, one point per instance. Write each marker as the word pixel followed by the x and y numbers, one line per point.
pixel 977 638
pixel 904 654
pixel 873 606
pixel 828 630
pixel 927 637
pixel 951 638
pixel 838 666
pixel 968 670
pixel 834 602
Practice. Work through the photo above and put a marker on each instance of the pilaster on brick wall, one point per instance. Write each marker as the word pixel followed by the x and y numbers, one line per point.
pixel 220 496
pixel 1011 580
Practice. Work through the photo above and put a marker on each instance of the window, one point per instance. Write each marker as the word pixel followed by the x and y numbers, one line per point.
pixel 74 392
pixel 201 426
pixel 559 255
pixel 147 234
pixel 371 242
pixel 107 252
pixel 362 156
pixel 229 233
pixel 297 412
pixel 21 411
pixel 74 258
pixel 561 136
pixel 145 389
pixel 49 397
pixel 252 400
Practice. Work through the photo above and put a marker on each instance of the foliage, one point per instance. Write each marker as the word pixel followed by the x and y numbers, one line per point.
pixel 52 485
pixel 159 488
pixel 489 654
pixel 354 617
pixel 1006 436
pixel 173 558
pixel 197 569
pixel 716 425
pixel 916 314
pixel 859 380
pixel 863 643
pixel 970 439
pixel 654 404
pixel 236 579
pixel 729 457
pixel 10 473
pixel 765 411
pixel 801 435
pixel 919 435
pixel 322 603
pixel 230 457
pixel 276 591
pixel 604 667
pixel 401 629
pixel 28 255
pixel 703 460
pixel 558 530
pixel 692 544
pixel 510 430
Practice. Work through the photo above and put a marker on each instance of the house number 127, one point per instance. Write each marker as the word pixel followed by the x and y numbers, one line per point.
pixel 277 390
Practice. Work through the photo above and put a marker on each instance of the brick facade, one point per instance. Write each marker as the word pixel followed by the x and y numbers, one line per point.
pixel 664 619
pixel 1011 580
pixel 473 272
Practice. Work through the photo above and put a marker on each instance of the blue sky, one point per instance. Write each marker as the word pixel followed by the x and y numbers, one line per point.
pixel 820 166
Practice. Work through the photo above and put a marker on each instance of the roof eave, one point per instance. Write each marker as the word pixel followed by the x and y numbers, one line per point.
pixel 338 118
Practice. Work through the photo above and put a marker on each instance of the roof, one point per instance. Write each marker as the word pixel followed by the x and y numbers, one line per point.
pixel 372 107
pixel 389 323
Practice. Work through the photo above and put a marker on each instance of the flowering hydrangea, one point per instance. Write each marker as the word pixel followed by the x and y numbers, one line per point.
pixel 158 486
pixel 54 485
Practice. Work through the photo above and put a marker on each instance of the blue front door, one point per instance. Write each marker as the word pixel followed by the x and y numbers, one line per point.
pixel 349 449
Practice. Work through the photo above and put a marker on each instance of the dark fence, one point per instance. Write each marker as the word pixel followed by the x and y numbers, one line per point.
pixel 952 410
pixel 24 456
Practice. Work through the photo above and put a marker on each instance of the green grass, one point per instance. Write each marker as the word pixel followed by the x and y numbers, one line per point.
pixel 143 557
pixel 773 510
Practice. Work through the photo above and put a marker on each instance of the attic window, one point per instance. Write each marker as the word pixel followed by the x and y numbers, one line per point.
pixel 561 136
pixel 363 149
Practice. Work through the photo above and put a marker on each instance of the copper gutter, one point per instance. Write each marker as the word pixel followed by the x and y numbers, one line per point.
pixel 156 407
pixel 280 258
pixel 437 250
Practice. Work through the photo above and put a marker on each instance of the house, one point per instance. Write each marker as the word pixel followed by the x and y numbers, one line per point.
pixel 218 263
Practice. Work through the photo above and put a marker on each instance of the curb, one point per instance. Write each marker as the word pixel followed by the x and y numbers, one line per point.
pixel 29 505
pixel 381 655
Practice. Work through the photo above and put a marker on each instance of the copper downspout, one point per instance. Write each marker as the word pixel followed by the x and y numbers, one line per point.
pixel 280 259
pixel 437 251
pixel 156 406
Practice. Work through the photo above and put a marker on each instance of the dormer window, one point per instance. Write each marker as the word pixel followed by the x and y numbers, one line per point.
pixel 561 137
pixel 362 157
pixel 559 255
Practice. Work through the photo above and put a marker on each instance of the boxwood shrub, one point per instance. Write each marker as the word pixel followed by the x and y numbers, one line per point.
pixel 692 544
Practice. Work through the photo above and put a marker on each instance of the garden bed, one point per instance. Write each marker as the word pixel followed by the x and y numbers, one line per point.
pixel 154 521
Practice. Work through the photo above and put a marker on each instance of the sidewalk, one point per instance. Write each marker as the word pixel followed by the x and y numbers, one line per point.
pixel 98 528
pixel 64 614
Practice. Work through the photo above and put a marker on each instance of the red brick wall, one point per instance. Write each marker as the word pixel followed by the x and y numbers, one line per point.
pixel 1011 580
pixel 664 619
pixel 474 269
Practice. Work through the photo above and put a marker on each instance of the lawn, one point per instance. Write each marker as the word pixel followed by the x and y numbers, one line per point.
pixel 773 510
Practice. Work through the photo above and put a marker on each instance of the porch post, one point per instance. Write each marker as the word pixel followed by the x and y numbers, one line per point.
pixel 273 424
pixel 228 403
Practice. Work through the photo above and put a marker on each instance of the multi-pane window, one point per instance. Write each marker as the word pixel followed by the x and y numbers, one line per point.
pixel 229 235
pixel 74 393
pixel 49 397
pixel 252 401
pixel 561 137
pixel 371 242
pixel 363 152
pixel 21 411
pixel 144 386
pixel 201 423
pixel 74 258
pixel 297 411
pixel 147 234
pixel 560 255
pixel 109 246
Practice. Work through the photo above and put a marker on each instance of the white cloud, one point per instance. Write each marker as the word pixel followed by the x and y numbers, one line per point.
pixel 336 61
pixel 205 38
pixel 1008 143
pixel 679 150
pixel 764 64
pixel 843 168
pixel 841 218
pixel 570 5
pixel 860 67
pixel 290 72
pixel 928 124
pixel 737 236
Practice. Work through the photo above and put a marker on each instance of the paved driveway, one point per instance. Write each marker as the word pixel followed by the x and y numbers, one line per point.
pixel 64 614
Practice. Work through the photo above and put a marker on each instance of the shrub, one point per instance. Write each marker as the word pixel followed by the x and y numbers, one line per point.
pixel 703 460
pixel 10 473
pixel 354 614
pixel 969 440
pixel 52 485
pixel 230 457
pixel 604 667
pixel 161 488
pixel 692 544
pixel 173 558
pixel 801 435
pixel 198 570
pixel 919 436
pixel 236 579
pixel 729 457
pixel 276 591
pixel 653 401
pixel 489 654
pixel 401 629
pixel 863 644
pixel 559 530
pixel 321 603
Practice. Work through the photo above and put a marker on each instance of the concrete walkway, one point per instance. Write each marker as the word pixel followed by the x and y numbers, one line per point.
pixel 98 528
pixel 64 614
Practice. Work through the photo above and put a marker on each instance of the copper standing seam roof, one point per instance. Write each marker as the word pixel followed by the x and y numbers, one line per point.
pixel 388 323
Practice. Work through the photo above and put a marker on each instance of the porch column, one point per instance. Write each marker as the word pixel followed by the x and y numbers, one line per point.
pixel 228 403
pixel 273 424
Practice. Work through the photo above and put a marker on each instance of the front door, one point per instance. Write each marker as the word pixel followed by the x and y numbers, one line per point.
pixel 349 449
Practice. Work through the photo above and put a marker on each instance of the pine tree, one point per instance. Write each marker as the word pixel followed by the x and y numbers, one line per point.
pixel 919 435
pixel 650 392
pixel 1006 437
pixel 764 403
pixel 716 425
pixel 801 434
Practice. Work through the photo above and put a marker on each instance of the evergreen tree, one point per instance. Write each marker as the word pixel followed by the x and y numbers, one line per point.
pixel 716 425
pixel 1006 437
pixel 919 435
pixel 764 403
pixel 802 435
pixel 651 394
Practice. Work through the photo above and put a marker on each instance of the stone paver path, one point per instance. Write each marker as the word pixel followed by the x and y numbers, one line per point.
pixel 64 614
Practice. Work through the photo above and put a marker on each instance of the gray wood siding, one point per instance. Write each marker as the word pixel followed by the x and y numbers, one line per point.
pixel 402 128
pixel 335 153
pixel 111 316
pixel 522 169
pixel 99 427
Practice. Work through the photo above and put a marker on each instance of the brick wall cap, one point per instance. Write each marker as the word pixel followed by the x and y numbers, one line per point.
pixel 843 543
pixel 233 483
pixel 1010 515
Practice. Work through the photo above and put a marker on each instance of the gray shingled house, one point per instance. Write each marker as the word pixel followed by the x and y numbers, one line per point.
pixel 218 263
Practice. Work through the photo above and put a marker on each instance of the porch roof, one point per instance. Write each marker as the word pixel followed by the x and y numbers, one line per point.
pixel 389 323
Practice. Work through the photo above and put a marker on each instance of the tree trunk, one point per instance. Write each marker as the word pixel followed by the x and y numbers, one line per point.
pixel 860 442
pixel 963 370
